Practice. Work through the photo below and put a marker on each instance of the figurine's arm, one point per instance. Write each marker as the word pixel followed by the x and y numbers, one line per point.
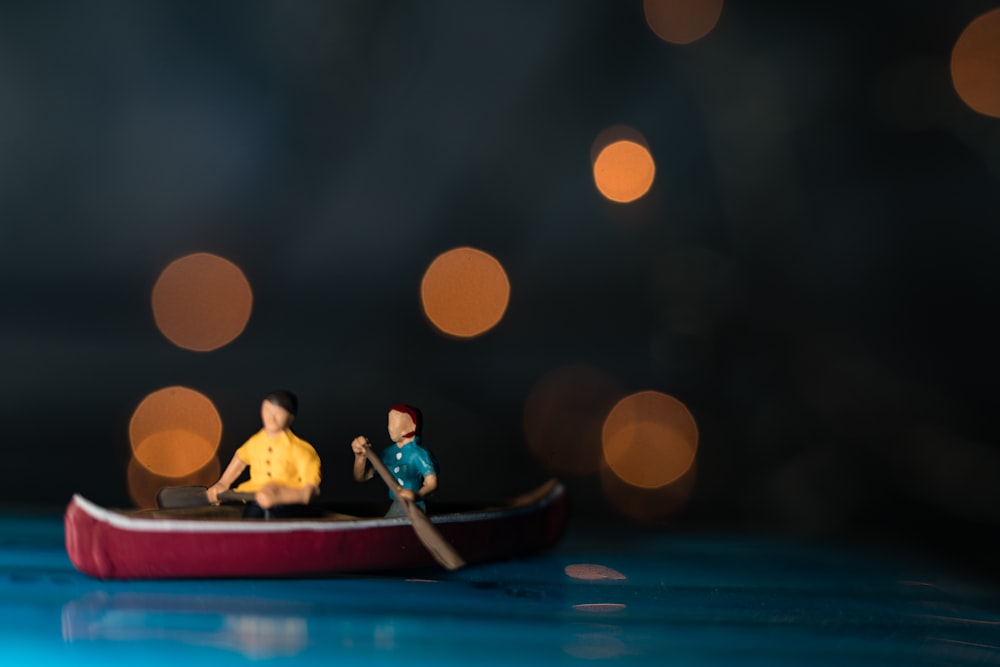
pixel 230 475
pixel 362 470
pixel 271 495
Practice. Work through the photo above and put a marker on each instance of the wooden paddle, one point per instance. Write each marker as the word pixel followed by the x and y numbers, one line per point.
pixel 443 552
pixel 184 497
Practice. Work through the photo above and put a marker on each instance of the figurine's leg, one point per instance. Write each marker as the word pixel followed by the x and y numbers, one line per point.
pixel 254 511
pixel 395 509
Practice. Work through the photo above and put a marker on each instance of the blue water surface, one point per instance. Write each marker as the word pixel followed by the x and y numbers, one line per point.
pixel 638 597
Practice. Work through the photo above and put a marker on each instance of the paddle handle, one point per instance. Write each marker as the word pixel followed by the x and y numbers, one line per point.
pixel 236 496
pixel 182 497
pixel 383 472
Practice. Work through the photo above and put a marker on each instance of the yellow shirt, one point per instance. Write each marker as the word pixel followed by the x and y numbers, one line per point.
pixel 286 459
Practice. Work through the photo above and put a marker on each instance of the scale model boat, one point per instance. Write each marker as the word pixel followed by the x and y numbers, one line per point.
pixel 215 542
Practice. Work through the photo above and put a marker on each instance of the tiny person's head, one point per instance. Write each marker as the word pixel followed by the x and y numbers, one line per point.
pixel 277 411
pixel 404 422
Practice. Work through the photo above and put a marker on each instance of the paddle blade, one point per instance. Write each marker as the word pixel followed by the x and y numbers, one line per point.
pixel 184 497
pixel 432 539
pixel 181 497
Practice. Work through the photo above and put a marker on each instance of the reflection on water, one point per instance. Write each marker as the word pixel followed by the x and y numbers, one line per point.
pixel 385 637
pixel 709 602
pixel 263 636
pixel 225 623
pixel 595 642
pixel 260 626
pixel 592 572
pixel 599 607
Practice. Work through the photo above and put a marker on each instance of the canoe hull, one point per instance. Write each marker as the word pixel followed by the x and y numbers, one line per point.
pixel 116 545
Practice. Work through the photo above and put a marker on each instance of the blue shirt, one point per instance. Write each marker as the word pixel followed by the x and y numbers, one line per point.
pixel 409 464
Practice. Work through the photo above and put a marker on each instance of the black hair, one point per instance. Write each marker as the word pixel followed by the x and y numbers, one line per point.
pixel 284 399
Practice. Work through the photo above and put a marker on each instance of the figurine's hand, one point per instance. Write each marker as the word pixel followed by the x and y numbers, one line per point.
pixel 213 493
pixel 359 444
pixel 268 496
pixel 406 494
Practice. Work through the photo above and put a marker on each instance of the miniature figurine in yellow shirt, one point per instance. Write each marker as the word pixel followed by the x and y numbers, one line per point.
pixel 284 469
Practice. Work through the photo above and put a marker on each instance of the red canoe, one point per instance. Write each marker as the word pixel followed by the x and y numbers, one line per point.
pixel 214 542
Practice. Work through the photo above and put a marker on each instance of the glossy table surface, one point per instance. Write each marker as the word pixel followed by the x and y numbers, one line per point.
pixel 637 596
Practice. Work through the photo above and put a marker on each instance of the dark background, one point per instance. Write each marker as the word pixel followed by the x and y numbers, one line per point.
pixel 827 200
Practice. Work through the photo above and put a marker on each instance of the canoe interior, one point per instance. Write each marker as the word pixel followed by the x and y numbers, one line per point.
pixel 341 511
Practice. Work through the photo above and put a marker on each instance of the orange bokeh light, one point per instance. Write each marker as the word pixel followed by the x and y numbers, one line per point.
pixel 624 171
pixel 201 302
pixel 613 134
pixel 465 292
pixel 563 416
pixel 649 439
pixel 143 484
pixel 647 504
pixel 175 431
pixel 682 21
pixel 975 64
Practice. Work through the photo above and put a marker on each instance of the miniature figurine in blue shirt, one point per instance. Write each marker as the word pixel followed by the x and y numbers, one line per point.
pixel 413 466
